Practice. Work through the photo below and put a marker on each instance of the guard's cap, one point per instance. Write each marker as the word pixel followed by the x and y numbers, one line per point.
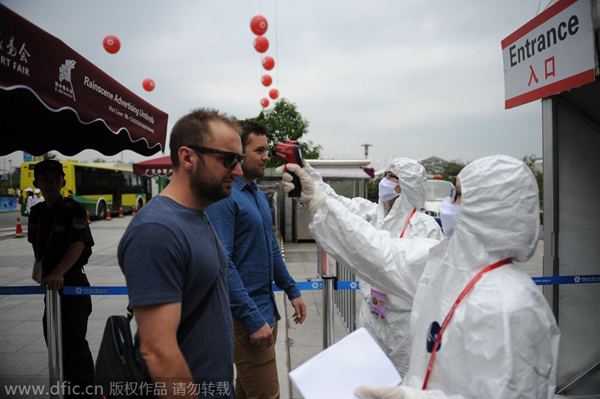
pixel 48 165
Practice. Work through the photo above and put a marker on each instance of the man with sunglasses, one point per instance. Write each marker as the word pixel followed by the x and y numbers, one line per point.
pixel 176 268
pixel 243 223
pixel 401 197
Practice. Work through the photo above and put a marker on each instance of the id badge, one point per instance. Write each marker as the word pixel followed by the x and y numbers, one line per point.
pixel 377 303
pixel 36 275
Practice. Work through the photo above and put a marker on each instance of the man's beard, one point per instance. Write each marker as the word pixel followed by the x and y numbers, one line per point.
pixel 208 190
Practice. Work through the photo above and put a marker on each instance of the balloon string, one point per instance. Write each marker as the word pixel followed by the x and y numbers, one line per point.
pixel 276 45
pixel 256 71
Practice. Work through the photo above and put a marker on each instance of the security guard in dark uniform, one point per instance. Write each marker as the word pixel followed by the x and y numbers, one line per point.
pixel 62 241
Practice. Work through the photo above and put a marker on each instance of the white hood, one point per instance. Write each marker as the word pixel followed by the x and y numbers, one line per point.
pixel 499 214
pixel 412 177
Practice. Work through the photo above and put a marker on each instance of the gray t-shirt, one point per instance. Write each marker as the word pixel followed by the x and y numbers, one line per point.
pixel 170 253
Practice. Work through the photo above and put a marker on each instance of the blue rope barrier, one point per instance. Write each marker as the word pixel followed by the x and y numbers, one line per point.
pixel 305 286
pixel 560 280
pixel 94 290
pixel 348 285
pixel 302 285
pixel 21 290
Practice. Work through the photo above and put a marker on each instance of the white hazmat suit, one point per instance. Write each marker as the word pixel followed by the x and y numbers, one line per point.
pixel 502 341
pixel 391 332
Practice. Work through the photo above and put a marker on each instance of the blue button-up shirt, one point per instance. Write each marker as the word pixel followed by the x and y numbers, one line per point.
pixel 243 224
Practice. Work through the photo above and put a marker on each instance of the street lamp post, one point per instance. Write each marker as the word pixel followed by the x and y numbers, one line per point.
pixel 366 149
pixel 10 170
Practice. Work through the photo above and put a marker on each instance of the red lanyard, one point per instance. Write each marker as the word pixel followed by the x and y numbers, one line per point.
pixel 37 238
pixel 408 220
pixel 451 313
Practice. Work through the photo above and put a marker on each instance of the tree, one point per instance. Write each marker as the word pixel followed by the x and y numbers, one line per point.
pixel 452 170
pixel 529 160
pixel 284 122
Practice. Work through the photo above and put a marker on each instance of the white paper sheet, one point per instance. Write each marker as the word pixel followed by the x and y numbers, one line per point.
pixel 338 370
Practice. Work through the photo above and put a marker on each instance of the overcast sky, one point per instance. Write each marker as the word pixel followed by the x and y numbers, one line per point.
pixel 412 78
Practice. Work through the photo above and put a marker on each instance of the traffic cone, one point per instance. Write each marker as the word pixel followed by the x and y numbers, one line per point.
pixel 88 215
pixel 120 211
pixel 19 232
pixel 133 210
pixel 108 213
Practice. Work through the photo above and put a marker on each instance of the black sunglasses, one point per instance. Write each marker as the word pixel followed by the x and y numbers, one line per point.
pixel 230 160
pixel 454 194
pixel 390 175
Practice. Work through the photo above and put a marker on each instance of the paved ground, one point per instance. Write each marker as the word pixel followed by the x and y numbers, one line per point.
pixel 23 355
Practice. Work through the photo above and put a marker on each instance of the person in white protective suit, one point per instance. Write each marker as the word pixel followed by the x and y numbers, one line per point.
pixel 480 327
pixel 401 196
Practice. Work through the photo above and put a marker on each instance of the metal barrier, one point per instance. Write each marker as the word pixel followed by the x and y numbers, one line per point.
pixel 328 320
pixel 333 273
pixel 345 299
pixel 54 328
pixel 588 371
pixel 328 277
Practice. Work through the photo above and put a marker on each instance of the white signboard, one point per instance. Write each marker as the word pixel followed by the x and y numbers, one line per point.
pixel 328 265
pixel 551 53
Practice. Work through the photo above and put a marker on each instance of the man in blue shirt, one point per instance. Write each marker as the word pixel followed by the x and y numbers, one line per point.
pixel 243 223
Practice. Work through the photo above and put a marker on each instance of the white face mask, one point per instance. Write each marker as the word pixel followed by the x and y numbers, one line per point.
pixel 448 214
pixel 387 190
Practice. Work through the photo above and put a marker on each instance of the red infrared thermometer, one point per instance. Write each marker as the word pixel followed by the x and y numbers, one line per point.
pixel 290 152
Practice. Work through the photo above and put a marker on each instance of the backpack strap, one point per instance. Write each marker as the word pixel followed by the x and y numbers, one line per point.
pixel 129 312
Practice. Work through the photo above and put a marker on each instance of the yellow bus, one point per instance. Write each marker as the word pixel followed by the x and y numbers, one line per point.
pixel 99 186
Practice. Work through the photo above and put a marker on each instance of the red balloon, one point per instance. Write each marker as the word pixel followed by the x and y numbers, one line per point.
pixel 259 25
pixel 273 93
pixel 148 84
pixel 266 80
pixel 261 44
pixel 264 102
pixel 111 44
pixel 268 63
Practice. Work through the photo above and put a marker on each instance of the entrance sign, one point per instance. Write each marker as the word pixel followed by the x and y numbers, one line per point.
pixel 551 53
